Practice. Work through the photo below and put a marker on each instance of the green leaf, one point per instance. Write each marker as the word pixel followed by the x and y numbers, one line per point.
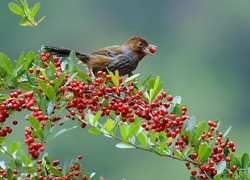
pixel 34 122
pixel 142 138
pixel 146 80
pixel 46 130
pixel 132 77
pixel 202 151
pixel 80 73
pixel 70 79
pixel 94 131
pixel 63 131
pixel 176 100
pixel 72 60
pixel 108 126
pixel 245 177
pixel 13 147
pixel 49 73
pixel 40 20
pixel 124 146
pixel 6 63
pixel 245 160
pixel 221 167
pixel 55 171
pixel 19 62
pixel 29 59
pixel 177 110
pixel 58 82
pixel 191 124
pixel 35 9
pixel 50 107
pixel 157 88
pixel 97 117
pixel 43 105
pixel 124 131
pixel 133 129
pixel 227 131
pixel 27 161
pixel 178 154
pixel 16 9
pixel 201 128
pixel 115 78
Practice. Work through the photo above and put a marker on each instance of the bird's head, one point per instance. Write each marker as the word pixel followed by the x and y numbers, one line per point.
pixel 140 46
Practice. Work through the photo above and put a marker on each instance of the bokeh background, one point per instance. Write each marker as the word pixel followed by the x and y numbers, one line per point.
pixel 202 55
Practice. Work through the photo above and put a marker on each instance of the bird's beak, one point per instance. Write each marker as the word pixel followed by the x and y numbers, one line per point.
pixel 148 51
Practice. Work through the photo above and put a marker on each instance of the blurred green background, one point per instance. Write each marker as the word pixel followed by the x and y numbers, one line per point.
pixel 202 55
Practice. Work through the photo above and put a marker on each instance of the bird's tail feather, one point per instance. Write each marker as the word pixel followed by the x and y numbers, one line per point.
pixel 63 52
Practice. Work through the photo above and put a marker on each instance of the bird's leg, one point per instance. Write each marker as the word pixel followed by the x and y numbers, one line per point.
pixel 92 74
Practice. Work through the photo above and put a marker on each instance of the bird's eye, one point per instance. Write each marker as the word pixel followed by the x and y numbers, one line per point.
pixel 140 44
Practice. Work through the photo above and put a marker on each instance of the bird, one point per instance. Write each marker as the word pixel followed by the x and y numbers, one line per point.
pixel 124 58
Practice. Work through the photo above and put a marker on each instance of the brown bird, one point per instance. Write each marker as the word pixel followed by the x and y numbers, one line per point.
pixel 124 58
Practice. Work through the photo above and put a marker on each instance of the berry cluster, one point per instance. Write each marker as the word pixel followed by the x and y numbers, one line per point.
pixel 123 99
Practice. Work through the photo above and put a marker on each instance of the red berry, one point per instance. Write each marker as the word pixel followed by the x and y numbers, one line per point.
pixel 73 113
pixel 234 167
pixel 152 49
pixel 194 155
pixel 31 70
pixel 15 122
pixel 79 157
pixel 193 172
pixel 169 98
pixel 228 159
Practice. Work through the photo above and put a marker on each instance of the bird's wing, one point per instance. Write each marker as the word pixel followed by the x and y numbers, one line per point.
pixel 111 51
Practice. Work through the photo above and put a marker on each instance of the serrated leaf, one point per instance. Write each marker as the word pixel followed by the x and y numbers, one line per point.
pixel 94 131
pixel 63 131
pixel 16 9
pixel 34 9
pixel 124 146
pixel 34 122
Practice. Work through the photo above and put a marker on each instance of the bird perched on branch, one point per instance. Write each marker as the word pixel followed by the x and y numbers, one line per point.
pixel 124 58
